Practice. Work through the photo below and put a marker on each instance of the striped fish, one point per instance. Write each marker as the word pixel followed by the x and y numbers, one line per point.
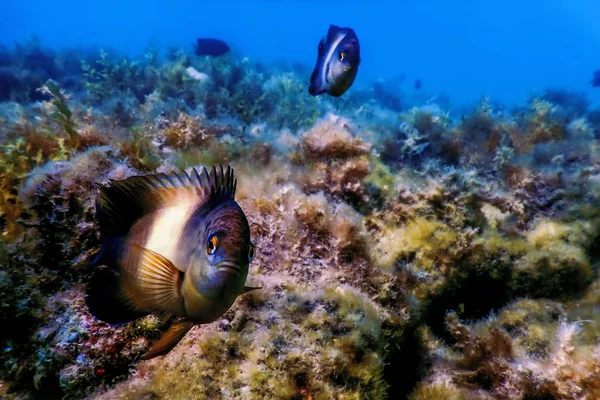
pixel 337 62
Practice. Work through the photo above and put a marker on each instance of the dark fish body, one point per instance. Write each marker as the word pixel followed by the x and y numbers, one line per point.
pixel 418 84
pixel 211 47
pixel 177 244
pixel 337 62
pixel 596 79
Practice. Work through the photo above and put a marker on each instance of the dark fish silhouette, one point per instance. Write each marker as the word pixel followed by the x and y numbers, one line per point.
pixel 418 84
pixel 337 62
pixel 176 244
pixel 211 47
pixel 596 79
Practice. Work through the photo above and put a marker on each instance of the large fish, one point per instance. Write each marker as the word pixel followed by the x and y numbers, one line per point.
pixel 337 62
pixel 176 244
pixel 211 47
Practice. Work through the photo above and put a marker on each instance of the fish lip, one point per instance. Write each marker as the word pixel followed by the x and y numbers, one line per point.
pixel 315 92
pixel 229 267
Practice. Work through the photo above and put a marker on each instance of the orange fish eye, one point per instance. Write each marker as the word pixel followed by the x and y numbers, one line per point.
pixel 212 245
pixel 251 251
pixel 343 55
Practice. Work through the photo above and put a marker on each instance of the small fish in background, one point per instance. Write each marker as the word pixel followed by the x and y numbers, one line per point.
pixel 596 79
pixel 337 62
pixel 211 47
pixel 177 244
pixel 418 84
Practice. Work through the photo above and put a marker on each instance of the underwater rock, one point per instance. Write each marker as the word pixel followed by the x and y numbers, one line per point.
pixel 338 160
pixel 307 342
pixel 486 361
pixel 332 137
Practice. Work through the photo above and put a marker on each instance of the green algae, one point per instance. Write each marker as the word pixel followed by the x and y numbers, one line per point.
pixel 63 115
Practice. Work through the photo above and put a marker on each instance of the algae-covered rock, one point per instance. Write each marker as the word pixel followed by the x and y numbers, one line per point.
pixel 399 252
pixel 285 343
pixel 488 361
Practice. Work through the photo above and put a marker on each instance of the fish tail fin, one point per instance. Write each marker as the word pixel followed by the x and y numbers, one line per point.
pixel 104 296
pixel 105 300
pixel 169 339
pixel 110 246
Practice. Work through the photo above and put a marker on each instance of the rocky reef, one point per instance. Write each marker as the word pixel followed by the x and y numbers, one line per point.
pixel 404 252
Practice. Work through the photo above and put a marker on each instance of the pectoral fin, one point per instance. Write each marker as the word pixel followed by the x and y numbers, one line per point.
pixel 169 339
pixel 157 282
pixel 248 289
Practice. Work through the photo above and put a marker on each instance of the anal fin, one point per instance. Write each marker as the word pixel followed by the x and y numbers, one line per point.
pixel 169 339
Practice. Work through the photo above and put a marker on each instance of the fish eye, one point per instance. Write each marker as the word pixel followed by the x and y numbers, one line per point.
pixel 343 55
pixel 251 251
pixel 212 244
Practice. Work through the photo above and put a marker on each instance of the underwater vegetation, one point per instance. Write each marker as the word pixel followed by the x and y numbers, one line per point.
pixel 402 252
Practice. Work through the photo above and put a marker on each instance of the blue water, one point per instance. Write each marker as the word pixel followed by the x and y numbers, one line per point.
pixel 465 48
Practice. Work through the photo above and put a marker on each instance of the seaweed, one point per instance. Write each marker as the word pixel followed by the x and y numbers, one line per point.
pixel 62 115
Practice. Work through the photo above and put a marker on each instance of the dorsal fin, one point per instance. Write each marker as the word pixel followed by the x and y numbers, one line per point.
pixel 121 203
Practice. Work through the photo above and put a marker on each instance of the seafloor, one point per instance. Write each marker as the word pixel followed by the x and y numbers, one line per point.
pixel 403 252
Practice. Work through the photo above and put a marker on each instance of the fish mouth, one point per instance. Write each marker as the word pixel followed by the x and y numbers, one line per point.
pixel 229 267
pixel 313 90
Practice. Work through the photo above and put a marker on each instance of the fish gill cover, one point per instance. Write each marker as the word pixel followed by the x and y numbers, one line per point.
pixel 404 248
